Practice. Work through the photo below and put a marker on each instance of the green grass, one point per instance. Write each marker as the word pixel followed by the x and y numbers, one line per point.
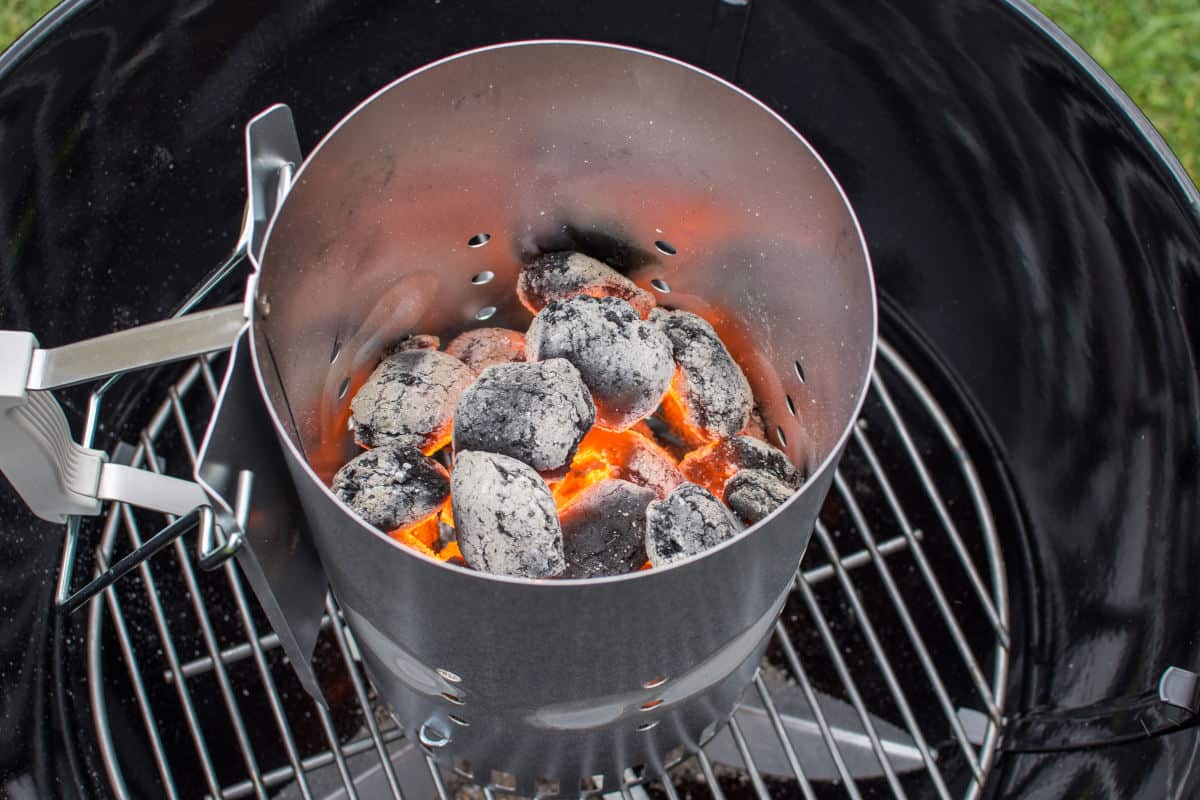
pixel 1151 47
pixel 17 15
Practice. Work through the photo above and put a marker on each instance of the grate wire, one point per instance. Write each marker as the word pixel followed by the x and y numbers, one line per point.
pixel 875 580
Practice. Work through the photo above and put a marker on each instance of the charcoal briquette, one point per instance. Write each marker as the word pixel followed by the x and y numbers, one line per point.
pixel 624 360
pixel 716 397
pixel 484 347
pixel 391 486
pixel 712 465
pixel 409 400
pixel 604 530
pixel 417 341
pixel 755 493
pixel 688 522
pixel 560 276
pixel 534 412
pixel 504 516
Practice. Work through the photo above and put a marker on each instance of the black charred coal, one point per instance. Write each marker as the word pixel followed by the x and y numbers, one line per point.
pixel 505 517
pixel 715 394
pixel 392 486
pixel 560 276
pixel 604 529
pixel 535 412
pixel 685 524
pixel 755 493
pixel 417 341
pixel 409 399
pixel 625 361
pixel 754 454
pixel 485 347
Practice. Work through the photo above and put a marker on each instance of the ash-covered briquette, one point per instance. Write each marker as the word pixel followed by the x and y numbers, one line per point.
pixel 505 517
pixel 688 522
pixel 485 347
pixel 536 413
pixel 714 393
pixel 560 276
pixel 625 361
pixel 392 486
pixel 757 426
pixel 755 493
pixel 604 530
pixel 409 399
pixel 712 465
pixel 417 341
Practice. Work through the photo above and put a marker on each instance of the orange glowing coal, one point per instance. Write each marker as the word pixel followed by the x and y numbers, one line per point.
pixel 674 413
pixel 424 534
pixel 710 466
pixel 628 455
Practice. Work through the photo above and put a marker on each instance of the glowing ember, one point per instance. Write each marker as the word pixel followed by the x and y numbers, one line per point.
pixel 560 471
pixel 628 456
pixel 711 466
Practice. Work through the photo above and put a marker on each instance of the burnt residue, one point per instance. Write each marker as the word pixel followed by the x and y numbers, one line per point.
pixel 536 413
pixel 688 522
pixel 481 348
pixel 505 517
pixel 604 529
pixel 565 274
pixel 755 493
pixel 715 395
pixel 392 486
pixel 625 361
pixel 409 399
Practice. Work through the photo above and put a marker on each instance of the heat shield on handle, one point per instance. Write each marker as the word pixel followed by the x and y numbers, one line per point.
pixel 279 558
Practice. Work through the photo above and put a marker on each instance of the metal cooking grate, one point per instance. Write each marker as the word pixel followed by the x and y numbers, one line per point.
pixel 886 676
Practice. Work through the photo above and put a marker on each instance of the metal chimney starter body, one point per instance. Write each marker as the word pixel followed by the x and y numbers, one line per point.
pixel 414 216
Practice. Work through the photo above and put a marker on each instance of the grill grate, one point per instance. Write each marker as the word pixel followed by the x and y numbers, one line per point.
pixel 886 676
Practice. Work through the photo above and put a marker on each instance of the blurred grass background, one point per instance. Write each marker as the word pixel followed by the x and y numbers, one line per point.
pixel 1151 47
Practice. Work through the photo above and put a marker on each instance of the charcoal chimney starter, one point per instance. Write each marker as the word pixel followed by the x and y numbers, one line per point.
pixel 415 216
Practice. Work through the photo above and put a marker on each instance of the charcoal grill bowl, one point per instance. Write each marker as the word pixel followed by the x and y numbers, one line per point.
pixel 699 193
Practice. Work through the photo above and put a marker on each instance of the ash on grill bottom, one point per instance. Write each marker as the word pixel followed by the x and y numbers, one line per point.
pixel 603 386
pixel 191 694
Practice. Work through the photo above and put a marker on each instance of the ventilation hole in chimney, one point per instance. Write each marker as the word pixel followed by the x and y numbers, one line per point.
pixel 651 704
pixel 457 720
pixel 647 726
pixel 654 683
pixel 337 351
pixel 487 312
pixel 448 675
pixel 345 387
pixel 666 248
pixel 799 370
pixel 479 240
pixel 660 285
pixel 504 780
pixel 791 404
pixel 480 278
pixel 780 436
pixel 453 698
